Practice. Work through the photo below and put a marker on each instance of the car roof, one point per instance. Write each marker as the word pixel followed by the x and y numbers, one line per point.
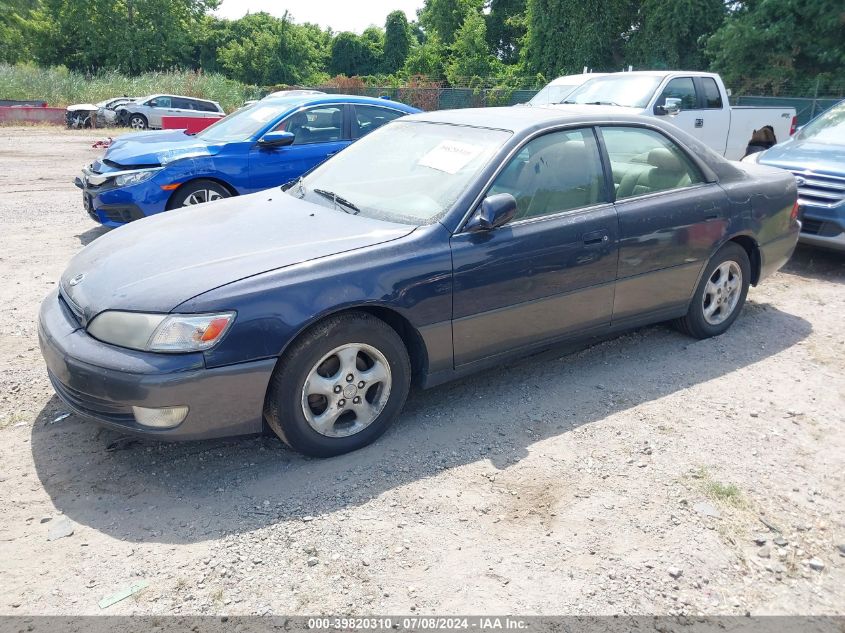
pixel 175 96
pixel 520 119
pixel 318 99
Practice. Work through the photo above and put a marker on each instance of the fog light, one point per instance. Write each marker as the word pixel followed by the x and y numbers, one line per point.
pixel 164 418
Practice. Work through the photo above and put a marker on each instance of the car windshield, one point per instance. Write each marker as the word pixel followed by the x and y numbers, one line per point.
pixel 552 94
pixel 243 124
pixel 632 91
pixel 410 172
pixel 827 128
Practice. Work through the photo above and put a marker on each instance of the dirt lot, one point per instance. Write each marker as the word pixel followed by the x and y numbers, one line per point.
pixel 648 474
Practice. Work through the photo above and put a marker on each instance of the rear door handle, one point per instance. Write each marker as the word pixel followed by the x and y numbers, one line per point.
pixel 595 237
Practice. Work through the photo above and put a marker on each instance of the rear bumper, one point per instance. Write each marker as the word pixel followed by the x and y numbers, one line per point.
pixel 774 254
pixel 102 382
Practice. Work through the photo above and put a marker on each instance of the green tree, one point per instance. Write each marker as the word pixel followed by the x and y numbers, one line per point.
pixel 354 55
pixel 16 30
pixel 765 44
pixel 427 59
pixel 397 41
pixel 566 35
pixel 673 34
pixel 445 17
pixel 266 50
pixel 132 35
pixel 470 53
pixel 506 28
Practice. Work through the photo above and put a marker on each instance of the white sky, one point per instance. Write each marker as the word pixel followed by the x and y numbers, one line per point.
pixel 340 15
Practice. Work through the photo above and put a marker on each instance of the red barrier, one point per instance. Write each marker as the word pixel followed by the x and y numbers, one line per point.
pixel 28 114
pixel 191 124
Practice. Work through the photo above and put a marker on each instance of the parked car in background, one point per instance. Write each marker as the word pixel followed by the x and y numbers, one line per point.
pixel 269 143
pixel 101 114
pixel 816 156
pixel 298 92
pixel 557 90
pixel 696 102
pixel 440 244
pixel 147 112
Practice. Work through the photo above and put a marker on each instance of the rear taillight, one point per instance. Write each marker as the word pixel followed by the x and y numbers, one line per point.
pixel 795 210
pixel 794 125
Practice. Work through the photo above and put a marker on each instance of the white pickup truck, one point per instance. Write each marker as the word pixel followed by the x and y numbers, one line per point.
pixel 696 102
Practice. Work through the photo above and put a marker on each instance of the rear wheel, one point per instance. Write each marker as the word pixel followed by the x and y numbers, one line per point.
pixel 340 386
pixel 138 122
pixel 720 295
pixel 198 192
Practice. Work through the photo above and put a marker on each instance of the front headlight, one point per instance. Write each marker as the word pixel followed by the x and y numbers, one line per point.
pixel 173 333
pixel 135 177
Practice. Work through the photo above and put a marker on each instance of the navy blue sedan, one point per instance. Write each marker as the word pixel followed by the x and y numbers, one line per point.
pixel 264 145
pixel 438 245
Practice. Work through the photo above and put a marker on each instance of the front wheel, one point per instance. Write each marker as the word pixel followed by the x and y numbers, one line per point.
pixel 340 386
pixel 720 294
pixel 198 192
pixel 138 122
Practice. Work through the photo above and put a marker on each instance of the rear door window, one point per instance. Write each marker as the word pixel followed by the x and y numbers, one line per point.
pixel 644 161
pixel 369 118
pixel 712 96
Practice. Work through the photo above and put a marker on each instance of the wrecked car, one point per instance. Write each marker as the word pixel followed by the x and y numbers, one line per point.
pixel 440 244
pixel 147 112
pixel 102 114
pixel 262 146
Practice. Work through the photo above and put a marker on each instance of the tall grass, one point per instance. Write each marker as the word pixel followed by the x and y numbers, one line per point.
pixel 59 86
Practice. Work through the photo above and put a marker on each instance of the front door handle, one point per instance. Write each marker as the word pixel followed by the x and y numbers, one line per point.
pixel 595 237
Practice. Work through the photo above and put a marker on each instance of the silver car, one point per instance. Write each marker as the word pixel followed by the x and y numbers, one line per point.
pixel 147 112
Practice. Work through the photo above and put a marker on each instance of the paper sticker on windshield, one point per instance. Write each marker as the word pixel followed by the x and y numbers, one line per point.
pixel 450 156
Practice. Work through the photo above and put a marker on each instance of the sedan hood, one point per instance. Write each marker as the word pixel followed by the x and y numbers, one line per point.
pixel 157 263
pixel 156 148
pixel 797 154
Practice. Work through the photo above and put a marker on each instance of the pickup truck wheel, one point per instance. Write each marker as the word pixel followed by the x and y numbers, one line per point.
pixel 198 192
pixel 720 294
pixel 340 386
pixel 138 122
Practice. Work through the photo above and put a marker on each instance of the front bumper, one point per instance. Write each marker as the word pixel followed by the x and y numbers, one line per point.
pixel 102 382
pixel 116 206
pixel 823 226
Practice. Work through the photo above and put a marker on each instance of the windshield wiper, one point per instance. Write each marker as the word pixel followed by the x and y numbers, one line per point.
pixel 610 103
pixel 331 195
pixel 295 183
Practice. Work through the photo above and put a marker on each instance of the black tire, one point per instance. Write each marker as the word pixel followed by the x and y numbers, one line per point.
pixel 181 196
pixel 137 122
pixel 284 405
pixel 695 323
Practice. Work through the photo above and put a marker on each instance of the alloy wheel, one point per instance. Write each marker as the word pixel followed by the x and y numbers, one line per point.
pixel 346 390
pixel 722 292
pixel 202 195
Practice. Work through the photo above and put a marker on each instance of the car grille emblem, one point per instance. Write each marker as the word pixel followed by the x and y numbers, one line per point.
pixel 77 279
pixel 800 181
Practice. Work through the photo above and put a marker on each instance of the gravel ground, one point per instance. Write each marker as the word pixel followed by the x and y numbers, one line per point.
pixel 648 474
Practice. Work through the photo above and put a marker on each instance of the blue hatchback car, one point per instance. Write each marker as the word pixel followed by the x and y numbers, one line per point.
pixel 264 145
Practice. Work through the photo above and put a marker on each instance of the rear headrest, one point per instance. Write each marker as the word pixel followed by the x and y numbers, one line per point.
pixel 662 158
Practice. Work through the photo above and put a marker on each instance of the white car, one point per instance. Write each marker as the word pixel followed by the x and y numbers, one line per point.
pixel 697 102
pixel 557 90
pixel 147 112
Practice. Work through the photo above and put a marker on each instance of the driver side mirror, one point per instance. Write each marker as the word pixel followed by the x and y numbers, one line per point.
pixel 495 211
pixel 672 106
pixel 276 139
